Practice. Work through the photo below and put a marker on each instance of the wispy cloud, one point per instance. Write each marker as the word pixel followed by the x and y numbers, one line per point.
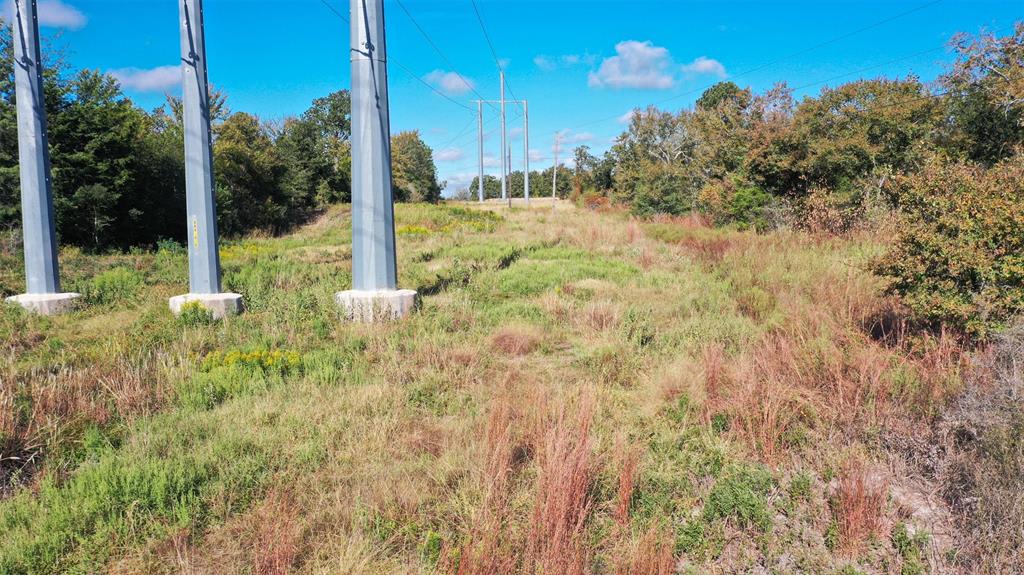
pixel 640 65
pixel 52 13
pixel 159 79
pixel 569 137
pixel 449 155
pixel 627 117
pixel 552 63
pixel 451 83
pixel 704 65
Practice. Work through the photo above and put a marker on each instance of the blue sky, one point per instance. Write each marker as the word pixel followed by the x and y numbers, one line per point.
pixel 583 65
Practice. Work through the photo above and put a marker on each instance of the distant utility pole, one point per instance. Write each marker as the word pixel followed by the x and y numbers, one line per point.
pixel 554 175
pixel 374 295
pixel 506 153
pixel 526 151
pixel 504 136
pixel 480 148
pixel 42 273
pixel 201 206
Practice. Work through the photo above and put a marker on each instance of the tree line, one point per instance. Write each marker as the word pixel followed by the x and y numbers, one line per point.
pixel 943 164
pixel 118 171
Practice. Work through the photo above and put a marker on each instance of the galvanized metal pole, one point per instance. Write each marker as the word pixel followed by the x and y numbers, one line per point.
pixel 526 151
pixel 42 273
pixel 504 170
pixel 374 265
pixel 374 295
pixel 554 176
pixel 203 254
pixel 480 148
pixel 508 174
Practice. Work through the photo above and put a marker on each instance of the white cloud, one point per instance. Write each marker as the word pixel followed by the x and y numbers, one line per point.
pixel 552 63
pixel 52 13
pixel 157 79
pixel 636 64
pixel 491 161
pixel 537 155
pixel 451 83
pixel 705 65
pixel 568 137
pixel 449 155
pixel 545 63
pixel 627 117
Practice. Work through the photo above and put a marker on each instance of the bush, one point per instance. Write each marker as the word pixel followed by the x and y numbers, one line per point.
pixel 959 255
pixel 118 285
pixel 742 495
pixel 734 200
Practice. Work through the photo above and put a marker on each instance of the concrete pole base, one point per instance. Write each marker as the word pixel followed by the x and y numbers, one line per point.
pixel 220 305
pixel 376 306
pixel 46 303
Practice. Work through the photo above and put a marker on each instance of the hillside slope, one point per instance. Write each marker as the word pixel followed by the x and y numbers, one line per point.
pixel 580 392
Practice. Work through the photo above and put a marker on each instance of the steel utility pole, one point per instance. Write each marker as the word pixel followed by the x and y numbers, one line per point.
pixel 480 148
pixel 201 206
pixel 375 295
pixel 526 152
pixel 554 175
pixel 504 135
pixel 508 173
pixel 42 273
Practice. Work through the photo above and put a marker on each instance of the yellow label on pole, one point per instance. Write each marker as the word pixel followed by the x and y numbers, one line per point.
pixel 195 231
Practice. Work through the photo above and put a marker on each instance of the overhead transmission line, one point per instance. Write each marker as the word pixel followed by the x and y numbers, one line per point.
pixel 440 53
pixel 784 58
pixel 392 60
pixel 494 53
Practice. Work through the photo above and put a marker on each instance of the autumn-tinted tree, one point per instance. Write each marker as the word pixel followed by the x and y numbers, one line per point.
pixel 413 171
pixel 986 96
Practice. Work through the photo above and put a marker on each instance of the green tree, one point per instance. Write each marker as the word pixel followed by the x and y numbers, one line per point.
pixel 655 169
pixel 958 257
pixel 986 97
pixel 249 178
pixel 413 171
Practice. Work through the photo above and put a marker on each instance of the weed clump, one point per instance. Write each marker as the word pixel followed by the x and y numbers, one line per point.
pixel 115 286
pixel 741 496
pixel 195 314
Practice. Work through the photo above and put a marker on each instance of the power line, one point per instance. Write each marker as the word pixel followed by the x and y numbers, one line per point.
pixel 439 52
pixel 494 53
pixel 480 19
pixel 402 66
pixel 460 134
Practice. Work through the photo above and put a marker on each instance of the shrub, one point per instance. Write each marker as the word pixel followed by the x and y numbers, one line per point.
pixel 734 200
pixel 959 256
pixel 195 314
pixel 117 285
pixel 742 496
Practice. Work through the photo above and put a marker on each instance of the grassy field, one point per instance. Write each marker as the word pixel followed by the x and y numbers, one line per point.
pixel 579 393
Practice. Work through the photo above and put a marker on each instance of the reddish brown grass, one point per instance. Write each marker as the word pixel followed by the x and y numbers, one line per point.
pixel 859 505
pixel 276 543
pixel 709 251
pixel 634 232
pixel 562 499
pixel 647 259
pixel 651 555
pixel 514 342
pixel 629 461
pixel 488 550
pixel 600 315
